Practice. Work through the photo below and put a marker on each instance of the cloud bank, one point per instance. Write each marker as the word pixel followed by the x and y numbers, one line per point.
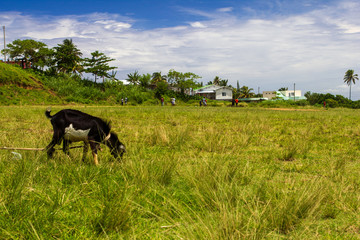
pixel 312 49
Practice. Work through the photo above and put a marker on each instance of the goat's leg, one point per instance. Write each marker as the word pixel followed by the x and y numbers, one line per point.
pixel 94 147
pixel 50 148
pixel 85 150
pixel 66 147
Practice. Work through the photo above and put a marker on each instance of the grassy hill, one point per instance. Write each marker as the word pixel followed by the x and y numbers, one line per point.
pixel 21 87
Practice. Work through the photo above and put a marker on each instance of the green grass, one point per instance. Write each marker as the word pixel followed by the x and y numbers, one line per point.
pixel 189 173
pixel 20 87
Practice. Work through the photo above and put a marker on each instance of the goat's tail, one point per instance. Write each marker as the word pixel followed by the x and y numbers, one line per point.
pixel 47 113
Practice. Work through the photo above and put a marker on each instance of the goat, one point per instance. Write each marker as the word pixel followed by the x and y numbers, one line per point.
pixel 73 126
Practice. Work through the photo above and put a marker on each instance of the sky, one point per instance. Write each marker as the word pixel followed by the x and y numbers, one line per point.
pixel 262 44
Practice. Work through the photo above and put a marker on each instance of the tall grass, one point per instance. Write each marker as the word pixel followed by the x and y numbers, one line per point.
pixel 189 173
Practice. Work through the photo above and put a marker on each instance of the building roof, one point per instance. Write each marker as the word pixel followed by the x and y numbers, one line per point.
pixel 209 88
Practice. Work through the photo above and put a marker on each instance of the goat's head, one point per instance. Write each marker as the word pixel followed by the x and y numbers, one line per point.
pixel 117 148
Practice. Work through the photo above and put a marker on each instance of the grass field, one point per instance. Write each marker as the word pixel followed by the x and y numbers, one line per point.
pixel 189 173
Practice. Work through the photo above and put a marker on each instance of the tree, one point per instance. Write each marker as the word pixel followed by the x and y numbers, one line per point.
pixel 246 92
pixel 157 77
pixel 216 80
pixel 283 89
pixel 68 57
pixel 29 50
pixel 134 78
pixel 42 58
pixel 112 75
pixel 145 80
pixel 161 89
pixel 183 80
pixel 349 78
pixel 223 82
pixel 98 65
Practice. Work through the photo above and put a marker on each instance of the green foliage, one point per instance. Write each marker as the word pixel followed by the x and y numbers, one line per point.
pixel 246 92
pixel 134 78
pixel 335 101
pixel 283 89
pixel 161 89
pixel 145 80
pixel 219 81
pixel 182 80
pixel 22 87
pixel 98 65
pixel 282 104
pixel 29 50
pixel 331 103
pixel 67 58
pixel 350 78
pixel 242 104
pixel 157 77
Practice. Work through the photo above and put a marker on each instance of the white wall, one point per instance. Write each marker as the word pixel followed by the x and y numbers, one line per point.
pixel 290 93
pixel 219 94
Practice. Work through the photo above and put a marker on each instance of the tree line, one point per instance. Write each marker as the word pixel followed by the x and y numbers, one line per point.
pixel 67 58
pixel 64 58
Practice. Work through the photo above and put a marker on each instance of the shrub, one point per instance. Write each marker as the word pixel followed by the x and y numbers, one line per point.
pixel 331 103
pixel 302 103
pixel 243 104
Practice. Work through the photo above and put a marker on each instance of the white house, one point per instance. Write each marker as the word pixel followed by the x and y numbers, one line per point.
pixel 285 95
pixel 215 92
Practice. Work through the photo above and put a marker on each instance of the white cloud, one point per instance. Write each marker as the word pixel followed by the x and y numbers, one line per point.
pixel 197 25
pixel 227 9
pixel 312 49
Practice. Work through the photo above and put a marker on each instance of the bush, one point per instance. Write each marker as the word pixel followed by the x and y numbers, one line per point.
pixel 331 103
pixel 302 103
pixel 243 104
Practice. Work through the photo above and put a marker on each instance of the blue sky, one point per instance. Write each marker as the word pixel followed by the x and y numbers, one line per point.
pixel 266 44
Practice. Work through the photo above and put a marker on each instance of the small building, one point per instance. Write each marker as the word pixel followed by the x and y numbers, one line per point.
pixel 269 94
pixel 215 92
pixel 284 95
pixel 20 62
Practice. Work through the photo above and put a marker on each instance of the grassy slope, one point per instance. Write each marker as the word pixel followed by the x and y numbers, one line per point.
pixel 190 173
pixel 20 87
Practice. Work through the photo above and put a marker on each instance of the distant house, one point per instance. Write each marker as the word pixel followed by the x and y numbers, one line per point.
pixel 284 95
pixel 215 92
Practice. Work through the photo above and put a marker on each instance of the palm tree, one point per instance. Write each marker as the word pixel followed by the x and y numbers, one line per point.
pixel 223 82
pixel 246 92
pixel 217 80
pixel 112 75
pixel 68 57
pixel 145 80
pixel 157 77
pixel 350 77
pixel 134 78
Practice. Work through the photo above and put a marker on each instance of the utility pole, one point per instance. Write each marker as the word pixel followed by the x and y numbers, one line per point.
pixel 4 44
pixel 294 92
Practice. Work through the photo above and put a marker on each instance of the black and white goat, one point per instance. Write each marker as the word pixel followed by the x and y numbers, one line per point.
pixel 75 126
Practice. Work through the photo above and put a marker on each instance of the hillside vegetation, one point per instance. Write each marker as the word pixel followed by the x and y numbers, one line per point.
pixel 26 87
pixel 22 87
